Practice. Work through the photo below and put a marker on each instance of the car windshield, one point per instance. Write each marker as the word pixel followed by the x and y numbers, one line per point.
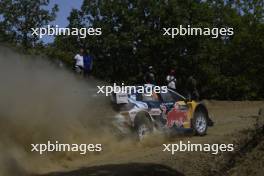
pixel 171 96
pixel 177 95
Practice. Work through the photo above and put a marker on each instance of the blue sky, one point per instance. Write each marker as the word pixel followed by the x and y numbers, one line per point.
pixel 65 7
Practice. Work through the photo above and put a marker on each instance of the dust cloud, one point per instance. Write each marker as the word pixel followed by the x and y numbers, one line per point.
pixel 40 101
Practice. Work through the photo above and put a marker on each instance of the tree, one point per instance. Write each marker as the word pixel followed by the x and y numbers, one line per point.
pixel 227 67
pixel 19 16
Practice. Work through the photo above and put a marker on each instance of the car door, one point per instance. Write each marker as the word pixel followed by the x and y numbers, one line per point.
pixel 153 101
pixel 176 110
pixel 167 101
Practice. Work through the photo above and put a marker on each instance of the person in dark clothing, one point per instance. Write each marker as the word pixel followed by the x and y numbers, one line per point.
pixel 149 77
pixel 192 92
pixel 87 63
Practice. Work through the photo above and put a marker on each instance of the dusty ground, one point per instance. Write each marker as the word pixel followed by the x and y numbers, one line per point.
pixel 233 124
pixel 41 102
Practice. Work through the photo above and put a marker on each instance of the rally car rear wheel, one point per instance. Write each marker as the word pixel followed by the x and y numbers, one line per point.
pixel 200 123
pixel 143 127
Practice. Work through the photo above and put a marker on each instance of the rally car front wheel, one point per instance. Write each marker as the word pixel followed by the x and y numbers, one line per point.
pixel 143 126
pixel 199 123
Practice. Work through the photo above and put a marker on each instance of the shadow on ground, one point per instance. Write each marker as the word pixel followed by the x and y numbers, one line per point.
pixel 131 169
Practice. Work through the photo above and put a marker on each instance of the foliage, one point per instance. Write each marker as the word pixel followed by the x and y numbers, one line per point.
pixel 132 39
pixel 226 68
pixel 19 16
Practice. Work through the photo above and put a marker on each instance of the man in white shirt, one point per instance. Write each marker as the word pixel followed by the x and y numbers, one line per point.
pixel 79 61
pixel 171 80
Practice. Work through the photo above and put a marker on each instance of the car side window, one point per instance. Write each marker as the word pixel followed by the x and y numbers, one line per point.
pixel 176 97
pixel 167 97
pixel 144 97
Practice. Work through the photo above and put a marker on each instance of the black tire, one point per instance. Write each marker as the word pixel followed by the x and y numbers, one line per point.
pixel 143 126
pixel 200 123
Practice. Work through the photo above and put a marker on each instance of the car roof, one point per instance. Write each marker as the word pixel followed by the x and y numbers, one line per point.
pixel 173 91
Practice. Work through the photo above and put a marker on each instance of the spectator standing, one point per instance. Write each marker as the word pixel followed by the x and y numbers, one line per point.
pixel 149 77
pixel 88 63
pixel 171 80
pixel 192 89
pixel 79 61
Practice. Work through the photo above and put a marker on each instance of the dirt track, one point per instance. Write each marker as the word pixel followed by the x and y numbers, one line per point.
pixel 40 102
pixel 233 121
